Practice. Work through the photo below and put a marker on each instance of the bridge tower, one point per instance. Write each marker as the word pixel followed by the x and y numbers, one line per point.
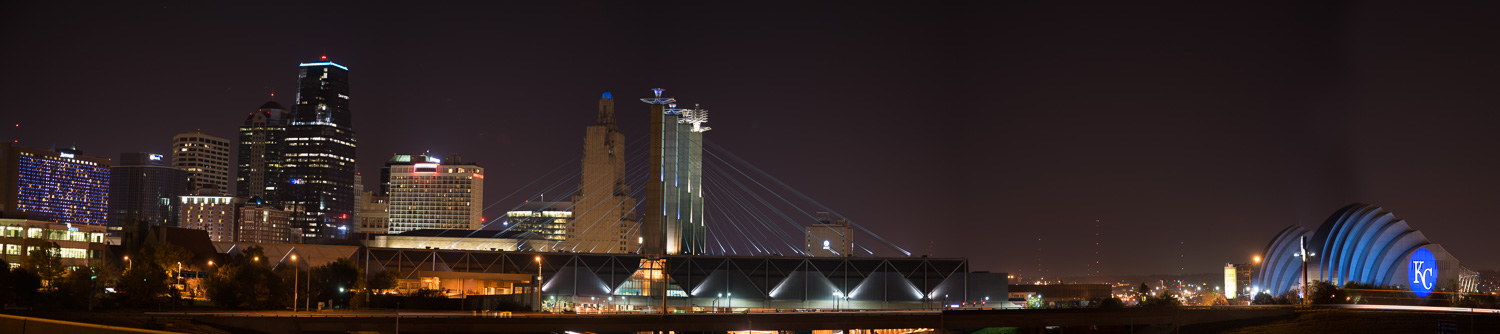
pixel 674 215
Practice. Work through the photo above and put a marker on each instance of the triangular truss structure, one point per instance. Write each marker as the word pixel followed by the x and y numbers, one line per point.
pixel 701 279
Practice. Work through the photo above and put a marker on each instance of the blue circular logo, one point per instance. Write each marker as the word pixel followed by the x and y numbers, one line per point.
pixel 1423 272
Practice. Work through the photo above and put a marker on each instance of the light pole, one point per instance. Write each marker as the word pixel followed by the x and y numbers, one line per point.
pixel 539 282
pixel 1250 282
pixel 1302 253
pixel 179 286
pixel 296 280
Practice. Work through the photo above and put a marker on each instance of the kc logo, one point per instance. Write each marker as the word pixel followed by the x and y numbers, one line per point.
pixel 1419 274
pixel 1424 274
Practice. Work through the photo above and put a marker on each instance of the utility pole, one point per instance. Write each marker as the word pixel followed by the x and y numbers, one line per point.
pixel 296 280
pixel 1302 253
pixel 539 283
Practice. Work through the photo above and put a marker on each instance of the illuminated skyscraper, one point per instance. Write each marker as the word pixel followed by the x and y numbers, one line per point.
pixel 60 186
pixel 674 185
pixel 260 165
pixel 144 188
pixel 319 154
pixel 436 196
pixel 604 209
pixel 204 157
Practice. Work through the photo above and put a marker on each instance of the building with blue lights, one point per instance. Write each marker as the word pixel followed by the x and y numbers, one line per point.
pixel 674 218
pixel 319 154
pixel 1360 243
pixel 61 186
pixel 143 188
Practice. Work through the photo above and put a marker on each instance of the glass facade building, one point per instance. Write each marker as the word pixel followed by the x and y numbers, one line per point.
pixel 260 165
pixel 319 153
pixel 61 186
pixel 143 188
pixel 548 220
pixel 78 244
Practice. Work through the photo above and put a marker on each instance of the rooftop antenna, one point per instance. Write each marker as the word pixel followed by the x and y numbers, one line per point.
pixel 1095 265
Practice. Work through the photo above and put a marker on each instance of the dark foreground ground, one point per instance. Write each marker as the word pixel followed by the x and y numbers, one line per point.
pixel 1357 321
pixel 1303 321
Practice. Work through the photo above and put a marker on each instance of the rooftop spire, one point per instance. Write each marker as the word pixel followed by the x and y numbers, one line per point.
pixel 607 111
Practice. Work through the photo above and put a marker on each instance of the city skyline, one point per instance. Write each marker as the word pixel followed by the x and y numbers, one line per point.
pixel 1193 144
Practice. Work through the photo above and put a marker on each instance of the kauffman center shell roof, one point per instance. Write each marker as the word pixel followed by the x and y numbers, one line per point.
pixel 1360 243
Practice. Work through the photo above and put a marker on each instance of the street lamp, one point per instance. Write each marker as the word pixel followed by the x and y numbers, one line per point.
pixel 1302 253
pixel 538 283
pixel 127 262
pixel 296 274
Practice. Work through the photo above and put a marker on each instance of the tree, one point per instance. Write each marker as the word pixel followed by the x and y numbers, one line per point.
pixel 1035 301
pixel 336 282
pixel 7 292
pixel 1111 303
pixel 1143 292
pixel 1325 292
pixel 1263 299
pixel 246 281
pixel 44 263
pixel 144 281
pixel 385 280
pixel 1164 299
pixel 76 287
pixel 25 285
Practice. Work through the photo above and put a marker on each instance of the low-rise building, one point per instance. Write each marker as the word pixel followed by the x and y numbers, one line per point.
pixel 549 220
pixel 78 244
pixel 263 223
pixel 830 237
pixel 374 214
pixel 214 214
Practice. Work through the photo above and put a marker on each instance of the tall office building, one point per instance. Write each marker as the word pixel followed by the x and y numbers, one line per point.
pixel 60 186
pixel 215 214
pixel 830 237
pixel 400 160
pixel 604 209
pixel 319 154
pixel 260 153
pixel 143 188
pixel 204 157
pixel 436 196
pixel 674 185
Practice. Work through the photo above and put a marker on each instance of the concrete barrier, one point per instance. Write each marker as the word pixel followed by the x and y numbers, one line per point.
pixel 11 324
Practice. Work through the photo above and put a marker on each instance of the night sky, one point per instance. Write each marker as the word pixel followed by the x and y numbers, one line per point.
pixel 1193 131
